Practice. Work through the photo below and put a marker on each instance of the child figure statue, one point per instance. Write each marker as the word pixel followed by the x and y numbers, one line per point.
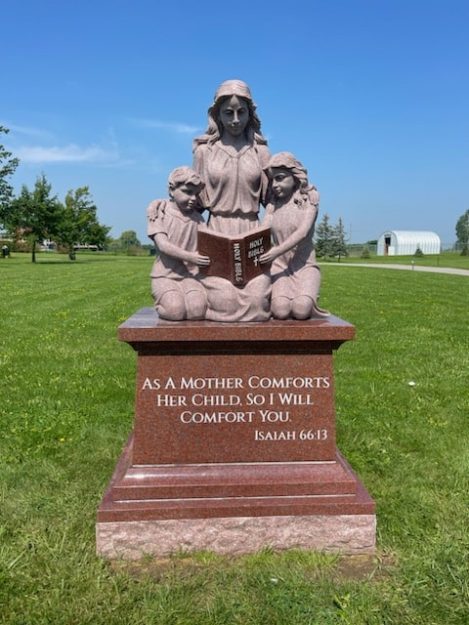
pixel 172 225
pixel 291 215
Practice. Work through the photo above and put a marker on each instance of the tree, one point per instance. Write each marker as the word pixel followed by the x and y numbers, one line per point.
pixel 79 222
pixel 35 213
pixel 325 237
pixel 340 247
pixel 7 168
pixel 129 239
pixel 462 232
pixel 128 243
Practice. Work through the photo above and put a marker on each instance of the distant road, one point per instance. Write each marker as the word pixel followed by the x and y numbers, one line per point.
pixel 450 270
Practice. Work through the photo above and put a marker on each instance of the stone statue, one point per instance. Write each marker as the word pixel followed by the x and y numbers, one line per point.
pixel 172 225
pixel 233 175
pixel 291 215
pixel 230 158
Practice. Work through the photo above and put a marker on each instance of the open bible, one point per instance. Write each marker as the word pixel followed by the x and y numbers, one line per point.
pixel 235 258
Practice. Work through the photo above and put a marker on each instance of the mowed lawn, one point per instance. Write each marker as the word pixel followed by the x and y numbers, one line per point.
pixel 66 404
pixel 446 259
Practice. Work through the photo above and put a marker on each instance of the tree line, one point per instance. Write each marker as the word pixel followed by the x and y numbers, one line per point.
pixel 35 215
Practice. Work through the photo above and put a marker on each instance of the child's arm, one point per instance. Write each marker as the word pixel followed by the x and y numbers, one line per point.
pixel 165 246
pixel 298 235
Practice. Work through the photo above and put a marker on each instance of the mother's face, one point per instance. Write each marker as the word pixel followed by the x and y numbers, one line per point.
pixel 234 115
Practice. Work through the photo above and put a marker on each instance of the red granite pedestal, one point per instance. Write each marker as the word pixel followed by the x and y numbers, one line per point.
pixel 234 445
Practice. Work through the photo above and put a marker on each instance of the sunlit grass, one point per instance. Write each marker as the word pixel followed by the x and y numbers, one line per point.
pixel 445 259
pixel 67 392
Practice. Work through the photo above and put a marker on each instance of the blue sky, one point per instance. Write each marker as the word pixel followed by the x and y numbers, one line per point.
pixel 371 95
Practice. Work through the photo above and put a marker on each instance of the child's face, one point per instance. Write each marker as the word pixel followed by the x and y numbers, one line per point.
pixel 185 196
pixel 283 183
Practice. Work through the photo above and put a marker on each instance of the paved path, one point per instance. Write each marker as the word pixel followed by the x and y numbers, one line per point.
pixel 450 270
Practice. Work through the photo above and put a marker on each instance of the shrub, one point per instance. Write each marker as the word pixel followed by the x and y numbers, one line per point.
pixel 134 250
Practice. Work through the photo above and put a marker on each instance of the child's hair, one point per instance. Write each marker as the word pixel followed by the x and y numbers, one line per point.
pixel 178 177
pixel 304 192
pixel 225 91
pixel 184 175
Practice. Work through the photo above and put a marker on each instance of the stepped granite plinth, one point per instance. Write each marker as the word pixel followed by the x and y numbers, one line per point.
pixel 234 444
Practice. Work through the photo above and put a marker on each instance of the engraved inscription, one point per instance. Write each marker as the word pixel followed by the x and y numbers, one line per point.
pixel 278 407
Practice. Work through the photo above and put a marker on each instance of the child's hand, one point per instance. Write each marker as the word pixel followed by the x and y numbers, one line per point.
pixel 199 260
pixel 268 257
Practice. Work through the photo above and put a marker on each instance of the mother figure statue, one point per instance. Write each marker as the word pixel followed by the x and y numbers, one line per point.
pixel 230 158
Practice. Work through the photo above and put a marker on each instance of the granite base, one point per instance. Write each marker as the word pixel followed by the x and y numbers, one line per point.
pixel 131 540
pixel 233 448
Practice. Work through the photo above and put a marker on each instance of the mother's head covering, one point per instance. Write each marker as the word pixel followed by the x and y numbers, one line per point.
pixel 229 88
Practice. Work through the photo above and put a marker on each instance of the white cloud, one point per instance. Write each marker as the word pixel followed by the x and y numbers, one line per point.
pixel 178 127
pixel 27 130
pixel 71 153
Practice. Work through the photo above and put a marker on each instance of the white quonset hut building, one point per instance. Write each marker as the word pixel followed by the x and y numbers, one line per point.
pixel 405 242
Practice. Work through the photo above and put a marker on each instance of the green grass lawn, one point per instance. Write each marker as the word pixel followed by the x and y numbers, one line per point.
pixel 66 404
pixel 446 259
